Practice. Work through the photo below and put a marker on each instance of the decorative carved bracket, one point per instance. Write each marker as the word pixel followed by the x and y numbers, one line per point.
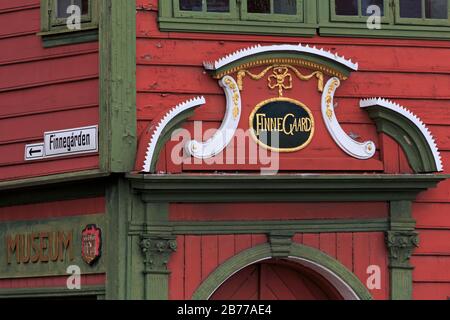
pixel 401 245
pixel 157 251
pixel 281 244
pixel 359 150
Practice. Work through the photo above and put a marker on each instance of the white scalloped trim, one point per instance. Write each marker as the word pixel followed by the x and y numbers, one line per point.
pixel 189 104
pixel 413 118
pixel 209 65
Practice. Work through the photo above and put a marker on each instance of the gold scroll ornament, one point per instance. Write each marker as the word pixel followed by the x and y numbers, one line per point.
pixel 281 77
pixel 329 98
pixel 236 98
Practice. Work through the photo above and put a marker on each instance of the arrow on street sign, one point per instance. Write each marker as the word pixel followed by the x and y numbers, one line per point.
pixel 34 151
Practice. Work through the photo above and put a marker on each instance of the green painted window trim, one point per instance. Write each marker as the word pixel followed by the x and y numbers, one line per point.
pixel 299 17
pixel 233 14
pixel 264 226
pixel 392 25
pixel 264 251
pixel 421 21
pixel 331 7
pixel 170 19
pixel 55 33
pixel 282 188
pixel 317 17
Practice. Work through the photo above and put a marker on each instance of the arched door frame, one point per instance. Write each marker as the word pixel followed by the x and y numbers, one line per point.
pixel 345 282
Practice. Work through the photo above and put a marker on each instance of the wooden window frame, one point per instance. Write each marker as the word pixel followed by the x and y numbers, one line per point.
pixel 421 21
pixel 56 22
pixel 360 18
pixel 239 21
pixel 54 31
pixel 233 14
pixel 299 17
pixel 392 25
pixel 314 15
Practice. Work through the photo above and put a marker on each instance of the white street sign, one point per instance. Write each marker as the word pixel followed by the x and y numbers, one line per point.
pixel 34 151
pixel 71 141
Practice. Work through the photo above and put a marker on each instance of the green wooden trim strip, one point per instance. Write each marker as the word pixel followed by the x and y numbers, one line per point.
pixel 118 198
pixel 258 227
pixel 258 253
pixel 400 216
pixel 117 85
pixel 401 283
pixel 348 31
pixel 262 227
pixel 400 246
pixel 51 292
pixel 60 39
pixel 235 26
pixel 52 179
pixel 281 188
pixel 77 189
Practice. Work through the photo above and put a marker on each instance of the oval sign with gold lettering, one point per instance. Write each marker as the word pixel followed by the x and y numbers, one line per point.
pixel 282 125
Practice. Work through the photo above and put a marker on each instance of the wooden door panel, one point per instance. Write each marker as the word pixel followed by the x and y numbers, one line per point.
pixel 242 286
pixel 275 280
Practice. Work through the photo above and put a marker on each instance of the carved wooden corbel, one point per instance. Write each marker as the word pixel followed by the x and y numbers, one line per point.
pixel 157 251
pixel 401 245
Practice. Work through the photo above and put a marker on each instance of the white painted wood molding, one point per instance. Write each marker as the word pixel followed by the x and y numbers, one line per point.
pixel 244 53
pixel 159 127
pixel 359 150
pixel 220 140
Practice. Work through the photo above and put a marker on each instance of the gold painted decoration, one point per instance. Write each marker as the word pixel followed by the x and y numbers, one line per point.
pixel 329 98
pixel 281 77
pixel 284 61
pixel 236 97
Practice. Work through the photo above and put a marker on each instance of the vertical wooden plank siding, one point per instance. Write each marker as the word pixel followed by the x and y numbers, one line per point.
pixel 197 252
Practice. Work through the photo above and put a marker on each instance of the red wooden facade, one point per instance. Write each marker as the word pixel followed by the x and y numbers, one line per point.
pixel 42 89
pixel 414 73
pixel 48 89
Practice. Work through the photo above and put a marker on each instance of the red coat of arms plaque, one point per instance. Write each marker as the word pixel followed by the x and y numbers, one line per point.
pixel 91 244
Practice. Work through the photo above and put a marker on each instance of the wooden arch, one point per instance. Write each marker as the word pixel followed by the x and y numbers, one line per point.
pixel 346 283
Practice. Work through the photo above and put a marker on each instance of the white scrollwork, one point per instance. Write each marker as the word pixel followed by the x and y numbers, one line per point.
pixel 220 140
pixel 360 150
